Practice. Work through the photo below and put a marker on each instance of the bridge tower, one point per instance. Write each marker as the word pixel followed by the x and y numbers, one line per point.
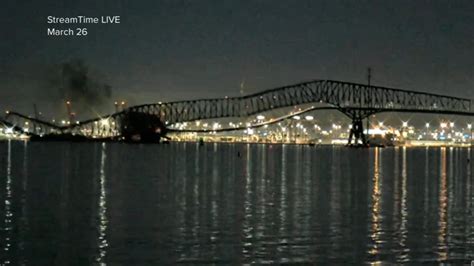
pixel 357 131
pixel 357 127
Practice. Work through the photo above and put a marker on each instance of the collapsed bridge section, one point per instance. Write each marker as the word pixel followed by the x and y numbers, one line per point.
pixel 148 122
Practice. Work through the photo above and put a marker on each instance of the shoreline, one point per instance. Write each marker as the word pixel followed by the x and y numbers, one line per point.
pixel 410 144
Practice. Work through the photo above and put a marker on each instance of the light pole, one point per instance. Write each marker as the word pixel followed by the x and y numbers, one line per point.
pixel 469 126
pixel 427 125
pixel 369 77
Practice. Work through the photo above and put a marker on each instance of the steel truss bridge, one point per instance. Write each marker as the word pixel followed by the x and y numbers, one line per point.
pixel 357 101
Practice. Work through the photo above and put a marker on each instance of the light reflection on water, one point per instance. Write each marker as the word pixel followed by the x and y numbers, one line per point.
pixel 443 202
pixel 220 203
pixel 102 241
pixel 8 198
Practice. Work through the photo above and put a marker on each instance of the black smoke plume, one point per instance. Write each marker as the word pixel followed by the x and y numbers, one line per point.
pixel 86 89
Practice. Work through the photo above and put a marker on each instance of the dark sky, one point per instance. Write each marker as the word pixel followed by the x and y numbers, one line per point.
pixel 170 50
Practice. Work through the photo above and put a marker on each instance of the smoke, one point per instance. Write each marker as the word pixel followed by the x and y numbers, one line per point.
pixel 87 90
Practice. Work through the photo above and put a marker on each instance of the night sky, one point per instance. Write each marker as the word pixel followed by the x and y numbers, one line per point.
pixel 172 50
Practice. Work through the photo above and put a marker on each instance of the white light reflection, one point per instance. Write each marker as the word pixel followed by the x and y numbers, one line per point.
pixel 263 179
pixel 469 192
pixel 376 217
pixel 102 241
pixel 248 230
pixel 214 210
pixel 442 211
pixel 283 208
pixel 396 175
pixel 426 186
pixel 8 208
pixel 403 208
pixel 24 216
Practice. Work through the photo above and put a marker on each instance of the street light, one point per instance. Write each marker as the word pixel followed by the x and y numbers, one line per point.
pixel 469 126
pixel 427 126
pixel 405 124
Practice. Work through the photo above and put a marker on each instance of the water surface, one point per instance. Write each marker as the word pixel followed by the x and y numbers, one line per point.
pixel 93 203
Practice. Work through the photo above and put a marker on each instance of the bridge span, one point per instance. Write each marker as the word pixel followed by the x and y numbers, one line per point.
pixel 149 122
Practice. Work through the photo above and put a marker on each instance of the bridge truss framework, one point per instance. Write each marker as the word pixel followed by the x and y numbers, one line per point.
pixel 357 101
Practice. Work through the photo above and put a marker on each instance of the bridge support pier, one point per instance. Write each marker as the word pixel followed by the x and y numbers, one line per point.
pixel 357 132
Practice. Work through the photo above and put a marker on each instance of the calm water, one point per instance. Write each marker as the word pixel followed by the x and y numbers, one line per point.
pixel 93 203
